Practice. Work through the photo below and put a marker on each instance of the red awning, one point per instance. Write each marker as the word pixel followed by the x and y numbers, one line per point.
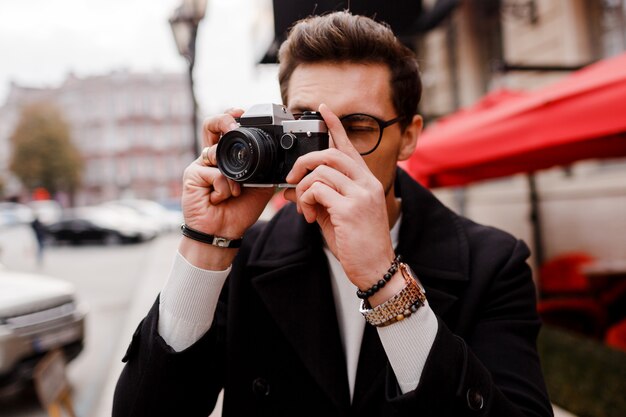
pixel 582 116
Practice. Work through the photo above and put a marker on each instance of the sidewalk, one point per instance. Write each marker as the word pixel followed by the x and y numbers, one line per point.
pixel 148 287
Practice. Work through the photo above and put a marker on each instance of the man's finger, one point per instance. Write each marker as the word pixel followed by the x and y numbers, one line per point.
pixel 338 133
pixel 329 176
pixel 202 176
pixel 318 194
pixel 334 158
pixel 221 190
pixel 290 194
pixel 211 156
pixel 214 127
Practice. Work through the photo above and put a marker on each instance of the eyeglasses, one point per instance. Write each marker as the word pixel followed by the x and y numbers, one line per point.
pixel 364 131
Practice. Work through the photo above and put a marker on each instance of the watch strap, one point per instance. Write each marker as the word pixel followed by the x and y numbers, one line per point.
pixel 218 241
pixel 400 306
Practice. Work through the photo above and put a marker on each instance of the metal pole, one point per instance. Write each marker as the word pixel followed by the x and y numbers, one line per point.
pixel 535 219
pixel 195 146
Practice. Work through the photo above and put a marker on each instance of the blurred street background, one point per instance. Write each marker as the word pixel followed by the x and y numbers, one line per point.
pixel 101 104
pixel 110 280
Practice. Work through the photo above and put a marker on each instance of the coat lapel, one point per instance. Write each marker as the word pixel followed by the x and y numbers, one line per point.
pixel 294 283
pixel 433 243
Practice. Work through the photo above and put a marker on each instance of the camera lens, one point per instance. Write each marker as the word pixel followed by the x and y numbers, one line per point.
pixel 246 155
pixel 238 155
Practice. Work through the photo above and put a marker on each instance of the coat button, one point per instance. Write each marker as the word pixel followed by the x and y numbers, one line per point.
pixel 261 387
pixel 475 400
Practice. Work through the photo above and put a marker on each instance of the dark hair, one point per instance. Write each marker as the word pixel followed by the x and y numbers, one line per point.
pixel 342 37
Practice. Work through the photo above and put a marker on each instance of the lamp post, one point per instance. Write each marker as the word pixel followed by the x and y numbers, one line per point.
pixel 184 22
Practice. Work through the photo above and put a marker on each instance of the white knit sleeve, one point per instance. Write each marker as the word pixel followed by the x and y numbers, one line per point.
pixel 407 344
pixel 188 302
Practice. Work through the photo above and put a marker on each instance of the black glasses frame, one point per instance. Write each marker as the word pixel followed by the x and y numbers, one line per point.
pixel 382 124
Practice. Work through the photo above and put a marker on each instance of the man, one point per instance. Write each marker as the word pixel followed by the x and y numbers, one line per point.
pixel 283 335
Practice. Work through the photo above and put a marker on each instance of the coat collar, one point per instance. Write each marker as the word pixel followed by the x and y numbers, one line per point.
pixel 290 273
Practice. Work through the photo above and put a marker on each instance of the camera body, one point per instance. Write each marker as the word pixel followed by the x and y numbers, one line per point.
pixel 263 149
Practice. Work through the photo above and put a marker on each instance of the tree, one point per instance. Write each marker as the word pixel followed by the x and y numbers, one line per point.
pixel 43 153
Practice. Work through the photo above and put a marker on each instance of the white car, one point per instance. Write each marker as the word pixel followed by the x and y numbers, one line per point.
pixel 37 314
pixel 47 211
pixel 125 219
pixel 108 224
pixel 165 219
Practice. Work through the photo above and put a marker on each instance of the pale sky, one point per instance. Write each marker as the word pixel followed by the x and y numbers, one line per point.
pixel 41 41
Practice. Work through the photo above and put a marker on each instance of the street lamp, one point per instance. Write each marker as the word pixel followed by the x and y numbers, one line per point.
pixel 184 22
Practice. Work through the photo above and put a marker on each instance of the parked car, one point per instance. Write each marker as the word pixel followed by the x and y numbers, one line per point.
pixel 126 219
pixel 47 211
pixel 101 225
pixel 166 220
pixel 78 231
pixel 37 314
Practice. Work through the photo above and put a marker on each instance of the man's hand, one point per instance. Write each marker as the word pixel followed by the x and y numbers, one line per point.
pixel 212 203
pixel 337 189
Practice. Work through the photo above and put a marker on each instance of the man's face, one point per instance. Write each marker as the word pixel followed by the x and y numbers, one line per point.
pixel 356 88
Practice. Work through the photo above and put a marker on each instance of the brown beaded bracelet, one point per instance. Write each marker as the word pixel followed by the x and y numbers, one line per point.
pixel 382 282
pixel 398 307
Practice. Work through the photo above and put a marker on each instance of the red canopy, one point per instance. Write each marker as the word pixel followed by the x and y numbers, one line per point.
pixel 582 116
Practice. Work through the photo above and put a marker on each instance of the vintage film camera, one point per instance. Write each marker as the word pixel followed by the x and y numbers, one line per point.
pixel 263 149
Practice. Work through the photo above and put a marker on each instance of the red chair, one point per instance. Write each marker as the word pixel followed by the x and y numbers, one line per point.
pixel 563 275
pixel 613 298
pixel 616 336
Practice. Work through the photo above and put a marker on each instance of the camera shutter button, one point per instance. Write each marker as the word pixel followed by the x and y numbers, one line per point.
pixel 287 141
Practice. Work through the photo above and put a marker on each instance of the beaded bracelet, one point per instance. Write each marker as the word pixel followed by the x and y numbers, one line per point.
pixel 398 307
pixel 382 282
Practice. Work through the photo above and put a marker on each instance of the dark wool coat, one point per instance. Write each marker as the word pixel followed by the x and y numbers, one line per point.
pixel 274 345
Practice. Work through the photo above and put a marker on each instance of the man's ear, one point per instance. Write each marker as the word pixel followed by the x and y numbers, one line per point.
pixel 409 137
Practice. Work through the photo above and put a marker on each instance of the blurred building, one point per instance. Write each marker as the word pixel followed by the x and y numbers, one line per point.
pixel 515 44
pixel 526 44
pixel 133 130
